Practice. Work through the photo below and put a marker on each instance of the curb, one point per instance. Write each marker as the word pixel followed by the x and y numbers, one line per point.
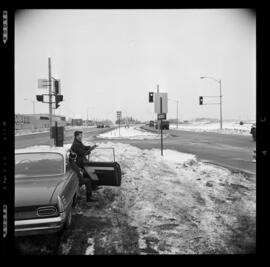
pixel 232 169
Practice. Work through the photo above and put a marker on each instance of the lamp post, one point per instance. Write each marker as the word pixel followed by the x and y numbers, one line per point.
pixel 87 115
pixel 177 102
pixel 33 104
pixel 220 95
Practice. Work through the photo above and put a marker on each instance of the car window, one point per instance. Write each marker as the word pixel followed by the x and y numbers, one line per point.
pixel 32 164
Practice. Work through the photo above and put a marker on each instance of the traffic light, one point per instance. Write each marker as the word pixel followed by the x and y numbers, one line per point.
pixel 151 97
pixel 56 87
pixel 58 98
pixel 201 100
pixel 39 98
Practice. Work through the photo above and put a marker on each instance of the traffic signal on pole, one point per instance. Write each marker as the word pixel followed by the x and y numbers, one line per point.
pixel 201 100
pixel 39 98
pixel 58 98
pixel 151 97
pixel 56 87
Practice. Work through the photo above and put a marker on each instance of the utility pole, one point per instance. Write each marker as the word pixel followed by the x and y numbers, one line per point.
pixel 220 104
pixel 177 114
pixel 50 101
pixel 220 97
pixel 161 128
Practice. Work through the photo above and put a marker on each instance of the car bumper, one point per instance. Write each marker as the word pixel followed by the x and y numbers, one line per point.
pixel 39 226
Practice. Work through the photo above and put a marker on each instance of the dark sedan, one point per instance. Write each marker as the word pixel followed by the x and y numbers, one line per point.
pixel 46 188
pixel 45 191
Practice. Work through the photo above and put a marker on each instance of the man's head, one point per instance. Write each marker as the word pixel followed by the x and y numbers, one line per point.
pixel 78 135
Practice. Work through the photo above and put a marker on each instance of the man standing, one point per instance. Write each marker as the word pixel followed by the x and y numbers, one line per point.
pixel 77 164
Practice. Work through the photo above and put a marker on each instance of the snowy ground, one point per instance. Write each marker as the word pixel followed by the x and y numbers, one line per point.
pixel 177 204
pixel 45 130
pixel 132 132
pixel 228 127
pixel 30 131
pixel 181 205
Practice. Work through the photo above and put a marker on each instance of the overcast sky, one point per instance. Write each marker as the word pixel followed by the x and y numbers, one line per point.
pixel 108 60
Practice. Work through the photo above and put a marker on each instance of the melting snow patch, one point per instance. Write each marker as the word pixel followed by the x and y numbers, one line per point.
pixel 90 249
pixel 129 133
pixel 174 156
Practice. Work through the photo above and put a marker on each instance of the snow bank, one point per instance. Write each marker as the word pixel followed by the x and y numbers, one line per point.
pixel 208 126
pixel 133 132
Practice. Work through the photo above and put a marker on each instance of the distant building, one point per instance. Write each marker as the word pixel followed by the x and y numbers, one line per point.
pixel 76 122
pixel 37 121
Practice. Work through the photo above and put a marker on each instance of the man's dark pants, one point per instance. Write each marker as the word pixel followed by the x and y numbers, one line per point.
pixel 83 179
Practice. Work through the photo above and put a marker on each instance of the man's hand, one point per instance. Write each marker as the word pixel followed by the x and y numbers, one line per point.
pixel 93 147
pixel 90 149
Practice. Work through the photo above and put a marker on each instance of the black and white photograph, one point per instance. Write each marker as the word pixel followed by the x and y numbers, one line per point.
pixel 135 131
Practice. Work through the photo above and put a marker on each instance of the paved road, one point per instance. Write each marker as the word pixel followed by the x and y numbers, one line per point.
pixel 230 151
pixel 233 151
pixel 22 141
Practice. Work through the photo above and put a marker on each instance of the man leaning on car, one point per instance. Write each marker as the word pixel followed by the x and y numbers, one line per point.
pixel 77 163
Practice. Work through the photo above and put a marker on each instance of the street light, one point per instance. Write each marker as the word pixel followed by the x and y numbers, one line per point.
pixel 176 109
pixel 33 104
pixel 220 96
pixel 87 115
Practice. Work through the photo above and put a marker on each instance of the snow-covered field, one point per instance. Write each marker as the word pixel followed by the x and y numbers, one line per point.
pixel 45 130
pixel 132 132
pixel 180 205
pixel 30 131
pixel 228 127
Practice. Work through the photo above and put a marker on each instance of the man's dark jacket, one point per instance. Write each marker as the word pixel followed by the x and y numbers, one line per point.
pixel 81 150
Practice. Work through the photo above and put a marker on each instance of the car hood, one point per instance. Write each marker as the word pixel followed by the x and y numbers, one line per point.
pixel 36 190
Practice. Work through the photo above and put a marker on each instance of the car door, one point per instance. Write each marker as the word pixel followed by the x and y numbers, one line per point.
pixel 108 173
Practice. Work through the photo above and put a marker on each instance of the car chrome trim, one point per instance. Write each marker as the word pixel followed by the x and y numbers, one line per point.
pixel 40 221
pixel 99 168
pixel 52 210
pixel 38 228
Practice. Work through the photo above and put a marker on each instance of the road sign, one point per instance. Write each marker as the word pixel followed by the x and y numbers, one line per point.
pixel 164 98
pixel 43 83
pixel 119 114
pixel 162 116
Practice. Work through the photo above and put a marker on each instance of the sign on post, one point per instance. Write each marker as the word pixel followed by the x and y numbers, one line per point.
pixel 119 115
pixel 43 83
pixel 164 99
pixel 162 116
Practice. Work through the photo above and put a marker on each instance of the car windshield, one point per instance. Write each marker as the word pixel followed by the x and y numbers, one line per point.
pixel 42 163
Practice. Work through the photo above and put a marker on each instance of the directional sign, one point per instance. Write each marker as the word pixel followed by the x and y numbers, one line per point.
pixel 43 83
pixel 164 98
pixel 119 114
pixel 162 116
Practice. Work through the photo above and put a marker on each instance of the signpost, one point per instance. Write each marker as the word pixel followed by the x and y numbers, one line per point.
pixel 53 97
pixel 119 116
pixel 161 108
